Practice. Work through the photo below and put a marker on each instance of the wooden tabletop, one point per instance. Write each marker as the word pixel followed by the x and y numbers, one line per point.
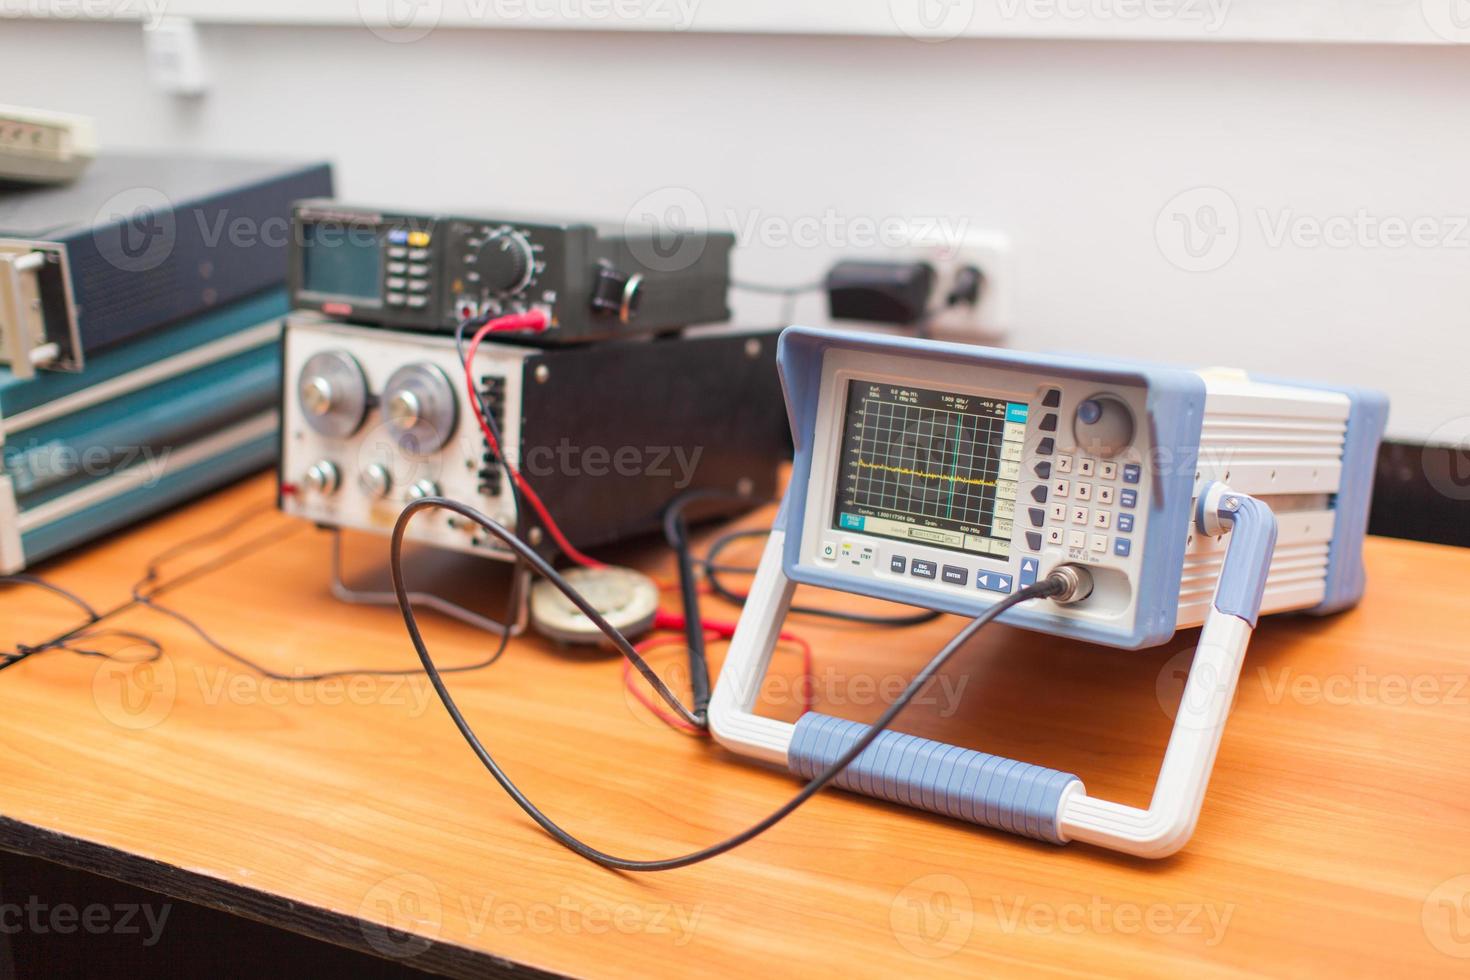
pixel 1335 837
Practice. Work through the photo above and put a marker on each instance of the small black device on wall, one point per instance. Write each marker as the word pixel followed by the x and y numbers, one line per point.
pixel 417 271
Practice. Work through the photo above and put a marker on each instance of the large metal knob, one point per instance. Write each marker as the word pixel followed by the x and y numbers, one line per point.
pixel 332 392
pixel 419 408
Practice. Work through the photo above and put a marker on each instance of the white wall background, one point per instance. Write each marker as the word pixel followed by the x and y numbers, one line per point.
pixel 1072 148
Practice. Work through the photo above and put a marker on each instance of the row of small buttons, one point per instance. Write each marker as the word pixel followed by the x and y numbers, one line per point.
pixel 1101 520
pixel 1079 540
pixel 407 281
pixel 951 574
pixel 1103 470
pixel 1083 491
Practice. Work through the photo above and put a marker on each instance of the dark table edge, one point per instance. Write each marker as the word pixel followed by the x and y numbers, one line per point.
pixel 447 959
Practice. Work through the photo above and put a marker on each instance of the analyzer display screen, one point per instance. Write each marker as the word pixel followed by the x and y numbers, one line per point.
pixel 341 260
pixel 931 467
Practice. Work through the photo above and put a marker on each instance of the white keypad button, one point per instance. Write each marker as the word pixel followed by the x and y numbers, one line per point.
pixel 1102 519
pixel 1108 471
pixel 1105 495
pixel 1079 515
pixel 1064 464
pixel 1076 539
pixel 1060 488
pixel 1086 466
pixel 1053 535
pixel 1058 513
pixel 1098 542
pixel 1084 491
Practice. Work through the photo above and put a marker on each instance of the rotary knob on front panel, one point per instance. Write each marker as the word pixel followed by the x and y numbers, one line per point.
pixel 375 481
pixel 323 477
pixel 419 408
pixel 504 262
pixel 332 393
pixel 1103 426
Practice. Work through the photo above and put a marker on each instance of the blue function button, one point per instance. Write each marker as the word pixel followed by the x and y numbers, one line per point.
pixel 955 575
pixel 1131 473
pixel 1125 523
pixel 896 563
pixel 994 581
pixel 1029 569
pixel 922 568
pixel 1122 546
pixel 1128 498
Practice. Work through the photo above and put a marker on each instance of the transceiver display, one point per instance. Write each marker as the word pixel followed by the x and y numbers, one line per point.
pixel 930 466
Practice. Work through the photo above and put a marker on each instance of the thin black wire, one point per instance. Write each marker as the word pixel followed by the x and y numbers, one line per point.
pixel 142 595
pixel 148 599
pixel 80 632
pixel 676 533
pixel 155 648
pixel 24 651
pixel 713 570
pixel 65 640
pixel 40 583
pixel 276 675
pixel 1046 587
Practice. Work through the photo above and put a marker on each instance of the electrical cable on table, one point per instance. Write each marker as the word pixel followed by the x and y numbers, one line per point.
pixel 523 492
pixel 1047 587
pixel 142 595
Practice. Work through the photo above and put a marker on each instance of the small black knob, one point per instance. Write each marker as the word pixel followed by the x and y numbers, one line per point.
pixel 504 262
pixel 616 294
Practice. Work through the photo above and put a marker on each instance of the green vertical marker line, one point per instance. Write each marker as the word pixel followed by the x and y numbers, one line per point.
pixel 954 470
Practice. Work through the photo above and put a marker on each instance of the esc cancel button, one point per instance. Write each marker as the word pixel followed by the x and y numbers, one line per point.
pixel 922 568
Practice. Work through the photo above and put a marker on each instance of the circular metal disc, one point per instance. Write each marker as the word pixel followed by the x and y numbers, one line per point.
pixel 625 598
pixel 347 385
pixel 429 425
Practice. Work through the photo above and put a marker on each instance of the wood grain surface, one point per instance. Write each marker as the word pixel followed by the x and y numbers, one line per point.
pixel 1335 838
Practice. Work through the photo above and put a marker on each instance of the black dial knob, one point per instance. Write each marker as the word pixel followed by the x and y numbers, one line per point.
pixel 504 262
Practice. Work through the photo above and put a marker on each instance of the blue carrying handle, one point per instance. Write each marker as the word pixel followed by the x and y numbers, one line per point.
pixel 983 789
pixel 1247 562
